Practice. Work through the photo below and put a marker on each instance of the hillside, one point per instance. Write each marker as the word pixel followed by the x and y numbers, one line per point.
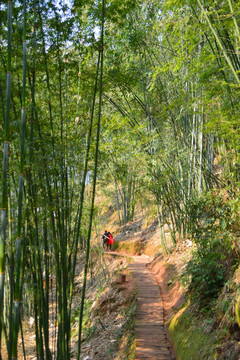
pixel 120 116
pixel 197 329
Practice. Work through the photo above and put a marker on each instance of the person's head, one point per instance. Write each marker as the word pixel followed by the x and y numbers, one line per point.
pixel 105 231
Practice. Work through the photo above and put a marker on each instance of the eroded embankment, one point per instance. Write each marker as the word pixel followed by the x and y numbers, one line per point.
pixel 187 331
pixel 197 332
pixel 109 318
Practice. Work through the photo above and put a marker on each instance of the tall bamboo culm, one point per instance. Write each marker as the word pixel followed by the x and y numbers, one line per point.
pixel 94 185
pixel 19 247
pixel 5 171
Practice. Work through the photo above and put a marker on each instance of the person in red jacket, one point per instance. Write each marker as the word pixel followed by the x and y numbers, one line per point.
pixel 110 241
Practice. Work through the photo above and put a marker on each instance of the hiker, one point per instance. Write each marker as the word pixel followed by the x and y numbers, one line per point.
pixel 110 241
pixel 105 238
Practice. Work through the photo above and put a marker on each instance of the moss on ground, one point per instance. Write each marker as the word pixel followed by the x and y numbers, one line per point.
pixel 191 337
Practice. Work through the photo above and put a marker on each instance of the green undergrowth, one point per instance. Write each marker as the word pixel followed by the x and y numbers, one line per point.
pixel 87 326
pixel 192 335
pixel 215 222
pixel 127 333
pixel 207 327
pixel 208 331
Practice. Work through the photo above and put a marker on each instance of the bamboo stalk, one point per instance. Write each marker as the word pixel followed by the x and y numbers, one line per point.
pixel 219 42
pixel 94 186
pixel 11 279
pixel 3 234
pixel 84 183
pixel 161 228
pixel 236 25
pixel 17 292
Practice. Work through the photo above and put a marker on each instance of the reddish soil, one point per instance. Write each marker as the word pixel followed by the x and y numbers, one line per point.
pixel 171 291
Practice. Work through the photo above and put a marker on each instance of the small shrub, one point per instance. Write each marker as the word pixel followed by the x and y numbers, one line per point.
pixel 212 219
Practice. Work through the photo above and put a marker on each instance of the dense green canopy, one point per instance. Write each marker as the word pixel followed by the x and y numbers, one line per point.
pixel 140 94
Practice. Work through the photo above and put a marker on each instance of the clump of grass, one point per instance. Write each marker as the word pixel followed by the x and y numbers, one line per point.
pixel 88 328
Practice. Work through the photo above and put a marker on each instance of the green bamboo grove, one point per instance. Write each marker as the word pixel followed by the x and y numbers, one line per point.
pixel 142 95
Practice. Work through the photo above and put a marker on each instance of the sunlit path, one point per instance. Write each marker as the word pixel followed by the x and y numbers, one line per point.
pixel 151 336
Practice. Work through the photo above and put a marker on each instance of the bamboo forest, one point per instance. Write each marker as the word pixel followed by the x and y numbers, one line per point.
pixel 120 202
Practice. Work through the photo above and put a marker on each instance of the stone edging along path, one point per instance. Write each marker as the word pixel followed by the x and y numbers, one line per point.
pixel 151 335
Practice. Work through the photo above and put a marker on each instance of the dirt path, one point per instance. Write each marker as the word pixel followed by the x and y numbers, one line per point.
pixel 151 336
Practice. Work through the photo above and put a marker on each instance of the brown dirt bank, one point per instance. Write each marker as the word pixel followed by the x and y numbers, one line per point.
pixel 166 274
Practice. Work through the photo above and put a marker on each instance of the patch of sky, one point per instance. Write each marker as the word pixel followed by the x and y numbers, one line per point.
pixel 64 8
pixel 97 32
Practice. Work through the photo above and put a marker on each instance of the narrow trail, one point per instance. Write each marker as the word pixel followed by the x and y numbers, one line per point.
pixel 151 335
